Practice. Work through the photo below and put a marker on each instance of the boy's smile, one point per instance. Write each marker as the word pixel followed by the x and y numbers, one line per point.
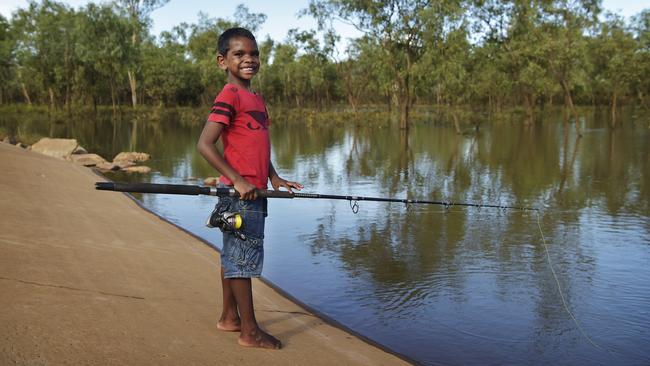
pixel 242 61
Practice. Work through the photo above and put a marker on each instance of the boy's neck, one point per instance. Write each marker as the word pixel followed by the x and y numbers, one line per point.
pixel 245 84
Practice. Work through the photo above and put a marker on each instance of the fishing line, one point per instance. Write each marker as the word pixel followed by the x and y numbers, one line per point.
pixel 559 289
pixel 555 277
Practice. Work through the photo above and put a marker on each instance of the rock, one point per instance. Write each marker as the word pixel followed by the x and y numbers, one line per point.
pixel 137 169
pixel 106 166
pixel 80 150
pixel 58 148
pixel 132 156
pixel 211 181
pixel 20 144
pixel 87 159
pixel 123 164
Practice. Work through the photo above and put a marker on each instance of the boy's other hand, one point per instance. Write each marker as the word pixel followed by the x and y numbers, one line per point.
pixel 246 190
pixel 278 182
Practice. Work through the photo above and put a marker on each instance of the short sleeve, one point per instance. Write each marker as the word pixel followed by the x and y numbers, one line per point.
pixel 223 109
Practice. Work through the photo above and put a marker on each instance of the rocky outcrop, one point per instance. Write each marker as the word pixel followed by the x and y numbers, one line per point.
pixel 123 164
pixel 58 148
pixel 69 149
pixel 127 160
pixel 87 159
pixel 107 166
pixel 136 157
pixel 137 169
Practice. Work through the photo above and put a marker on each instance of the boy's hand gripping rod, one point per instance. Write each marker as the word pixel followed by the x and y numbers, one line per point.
pixel 231 192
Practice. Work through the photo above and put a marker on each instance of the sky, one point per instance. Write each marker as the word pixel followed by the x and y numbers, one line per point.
pixel 282 15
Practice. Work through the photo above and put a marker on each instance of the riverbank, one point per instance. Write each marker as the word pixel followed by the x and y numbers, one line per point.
pixel 88 277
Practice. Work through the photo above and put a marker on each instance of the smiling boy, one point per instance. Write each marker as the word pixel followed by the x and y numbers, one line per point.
pixel 240 118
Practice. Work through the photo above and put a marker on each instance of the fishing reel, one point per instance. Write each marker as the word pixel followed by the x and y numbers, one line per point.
pixel 226 221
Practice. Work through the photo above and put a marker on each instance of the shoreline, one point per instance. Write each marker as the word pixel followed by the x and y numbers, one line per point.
pixel 88 278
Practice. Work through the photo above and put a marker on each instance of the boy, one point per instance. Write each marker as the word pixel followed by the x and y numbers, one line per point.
pixel 239 115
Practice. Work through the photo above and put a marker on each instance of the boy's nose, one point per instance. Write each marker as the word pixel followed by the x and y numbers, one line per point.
pixel 248 57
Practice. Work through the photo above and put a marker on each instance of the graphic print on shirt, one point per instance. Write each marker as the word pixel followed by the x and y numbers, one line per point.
pixel 261 118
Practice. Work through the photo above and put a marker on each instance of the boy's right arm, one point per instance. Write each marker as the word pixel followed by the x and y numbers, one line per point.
pixel 209 136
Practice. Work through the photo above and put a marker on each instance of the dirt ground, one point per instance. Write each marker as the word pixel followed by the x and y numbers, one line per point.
pixel 89 278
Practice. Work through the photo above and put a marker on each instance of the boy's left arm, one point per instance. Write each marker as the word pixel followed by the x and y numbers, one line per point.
pixel 277 181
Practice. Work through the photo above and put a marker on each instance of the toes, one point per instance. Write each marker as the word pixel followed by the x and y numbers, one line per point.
pixel 261 340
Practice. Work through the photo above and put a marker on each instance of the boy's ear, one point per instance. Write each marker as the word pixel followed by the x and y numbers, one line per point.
pixel 221 62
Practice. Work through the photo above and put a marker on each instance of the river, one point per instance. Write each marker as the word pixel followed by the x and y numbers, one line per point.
pixel 440 285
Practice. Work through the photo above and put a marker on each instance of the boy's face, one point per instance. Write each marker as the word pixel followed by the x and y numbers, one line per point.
pixel 242 61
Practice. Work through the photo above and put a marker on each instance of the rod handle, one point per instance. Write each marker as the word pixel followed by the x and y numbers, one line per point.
pixel 152 188
pixel 183 189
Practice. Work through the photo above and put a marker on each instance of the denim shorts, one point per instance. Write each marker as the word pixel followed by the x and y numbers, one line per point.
pixel 244 258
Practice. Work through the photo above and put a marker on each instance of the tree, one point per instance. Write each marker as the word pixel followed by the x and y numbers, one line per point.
pixel 103 50
pixel 44 50
pixel 641 83
pixel 168 79
pixel 566 21
pixel 138 11
pixel 613 55
pixel 396 25
pixel 7 67
pixel 518 45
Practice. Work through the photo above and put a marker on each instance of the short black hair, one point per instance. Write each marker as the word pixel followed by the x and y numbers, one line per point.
pixel 223 44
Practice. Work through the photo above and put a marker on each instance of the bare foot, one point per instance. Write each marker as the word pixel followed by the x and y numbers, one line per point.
pixel 228 326
pixel 259 339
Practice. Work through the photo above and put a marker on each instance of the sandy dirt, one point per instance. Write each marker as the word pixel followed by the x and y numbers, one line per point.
pixel 89 278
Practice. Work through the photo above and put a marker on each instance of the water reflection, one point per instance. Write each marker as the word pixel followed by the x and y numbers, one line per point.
pixel 450 286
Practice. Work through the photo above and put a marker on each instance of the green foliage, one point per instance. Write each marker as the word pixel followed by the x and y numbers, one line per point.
pixel 449 53
pixel 7 61
pixel 641 82
pixel 103 50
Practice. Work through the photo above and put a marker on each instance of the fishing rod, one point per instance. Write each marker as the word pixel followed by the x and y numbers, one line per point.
pixel 194 190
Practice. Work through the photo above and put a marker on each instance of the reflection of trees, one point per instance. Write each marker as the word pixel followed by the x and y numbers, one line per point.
pixel 397 249
pixel 567 162
pixel 505 163
pixel 290 141
pixel 407 252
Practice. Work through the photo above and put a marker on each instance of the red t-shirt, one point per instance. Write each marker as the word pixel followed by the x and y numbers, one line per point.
pixel 246 143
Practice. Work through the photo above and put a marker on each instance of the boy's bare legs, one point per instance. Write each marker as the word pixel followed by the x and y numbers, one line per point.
pixel 229 320
pixel 251 334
